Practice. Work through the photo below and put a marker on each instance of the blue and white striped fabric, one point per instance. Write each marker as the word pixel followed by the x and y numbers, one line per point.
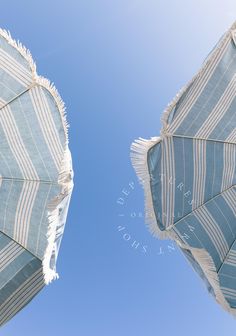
pixel 189 172
pixel 36 178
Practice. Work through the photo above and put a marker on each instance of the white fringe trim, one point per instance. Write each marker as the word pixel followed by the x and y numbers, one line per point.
pixel 21 49
pixel 40 80
pixel 65 178
pixel 207 265
pixel 54 229
pixel 139 151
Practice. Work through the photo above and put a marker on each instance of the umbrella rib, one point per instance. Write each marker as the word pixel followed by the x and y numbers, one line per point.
pixel 173 225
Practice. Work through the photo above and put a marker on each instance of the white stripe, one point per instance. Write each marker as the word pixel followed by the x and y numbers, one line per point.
pixel 15 68
pixel 231 258
pixel 168 182
pixel 167 177
pixel 230 262
pixel 228 292
pixel 229 166
pixel 14 72
pixel 24 211
pixel 213 230
pixel 213 234
pixel 232 136
pixel 163 180
pixel 232 252
pixel 219 111
pixel 19 67
pixel 230 198
pixel 209 220
pixel 20 222
pixel 199 172
pixel 172 185
pixel 9 253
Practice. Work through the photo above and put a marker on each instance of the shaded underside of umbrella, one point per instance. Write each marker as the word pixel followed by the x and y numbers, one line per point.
pixel 36 177
pixel 188 172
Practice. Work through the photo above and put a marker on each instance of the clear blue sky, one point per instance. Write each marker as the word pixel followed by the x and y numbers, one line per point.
pixel 117 63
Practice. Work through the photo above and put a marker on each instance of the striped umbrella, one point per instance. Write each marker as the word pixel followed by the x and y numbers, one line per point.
pixel 189 172
pixel 35 178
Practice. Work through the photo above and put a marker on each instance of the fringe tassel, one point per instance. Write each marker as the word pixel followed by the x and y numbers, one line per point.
pixel 55 229
pixel 21 49
pixel 139 150
pixel 207 265
pixel 65 178
pixel 40 80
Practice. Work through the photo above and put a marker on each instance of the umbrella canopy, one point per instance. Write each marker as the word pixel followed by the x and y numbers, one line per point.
pixel 189 172
pixel 36 178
